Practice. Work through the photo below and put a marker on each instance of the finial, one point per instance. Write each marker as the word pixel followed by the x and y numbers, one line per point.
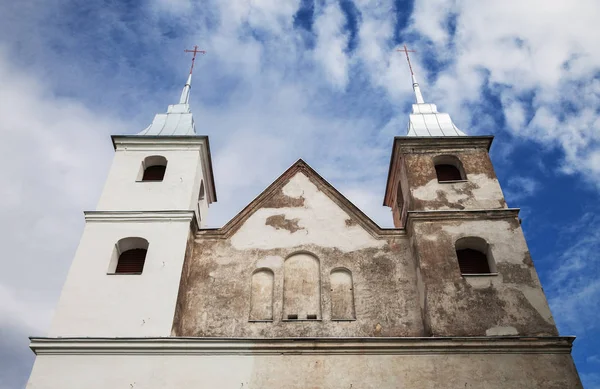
pixel 416 87
pixel 185 94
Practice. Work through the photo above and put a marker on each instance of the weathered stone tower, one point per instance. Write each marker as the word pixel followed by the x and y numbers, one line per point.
pixel 301 289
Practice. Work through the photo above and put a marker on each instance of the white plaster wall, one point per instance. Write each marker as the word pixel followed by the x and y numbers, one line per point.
pixel 178 190
pixel 96 304
pixel 422 371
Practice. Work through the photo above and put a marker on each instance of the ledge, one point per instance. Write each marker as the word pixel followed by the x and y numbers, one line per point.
pixel 439 143
pixel 138 216
pixel 498 213
pixel 278 346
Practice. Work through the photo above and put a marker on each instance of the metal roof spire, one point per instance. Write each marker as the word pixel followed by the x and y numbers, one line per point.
pixel 416 88
pixel 425 120
pixel 178 120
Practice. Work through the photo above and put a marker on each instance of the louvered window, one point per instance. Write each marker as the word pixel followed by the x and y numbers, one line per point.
pixel 154 173
pixel 447 173
pixel 472 262
pixel 131 261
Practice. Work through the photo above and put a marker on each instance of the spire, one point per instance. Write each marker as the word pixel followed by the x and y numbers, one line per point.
pixel 178 120
pixel 425 120
pixel 185 93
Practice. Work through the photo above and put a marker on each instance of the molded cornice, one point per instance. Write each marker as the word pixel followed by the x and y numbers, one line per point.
pixel 138 216
pixel 437 144
pixel 351 346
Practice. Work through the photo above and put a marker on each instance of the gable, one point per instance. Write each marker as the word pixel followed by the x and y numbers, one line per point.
pixel 300 208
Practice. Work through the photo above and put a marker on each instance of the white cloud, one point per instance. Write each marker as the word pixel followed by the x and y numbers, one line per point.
pixel 331 44
pixel 520 188
pixel 574 290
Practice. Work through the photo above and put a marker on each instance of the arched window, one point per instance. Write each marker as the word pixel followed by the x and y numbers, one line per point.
pixel 301 288
pixel 342 295
pixel 261 301
pixel 129 256
pixel 154 168
pixel 448 168
pixel 474 256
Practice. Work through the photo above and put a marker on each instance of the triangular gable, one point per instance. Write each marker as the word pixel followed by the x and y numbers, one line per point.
pixel 272 197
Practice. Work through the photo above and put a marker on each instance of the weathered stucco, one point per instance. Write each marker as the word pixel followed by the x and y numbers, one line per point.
pixel 299 216
pixel 402 284
pixel 413 177
pixel 510 302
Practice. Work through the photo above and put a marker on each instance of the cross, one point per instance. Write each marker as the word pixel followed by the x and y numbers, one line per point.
pixel 406 51
pixel 195 51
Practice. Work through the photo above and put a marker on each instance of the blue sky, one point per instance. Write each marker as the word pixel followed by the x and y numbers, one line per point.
pixel 289 79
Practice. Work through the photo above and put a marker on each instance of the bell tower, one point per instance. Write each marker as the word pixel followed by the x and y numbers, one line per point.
pixel 475 276
pixel 125 276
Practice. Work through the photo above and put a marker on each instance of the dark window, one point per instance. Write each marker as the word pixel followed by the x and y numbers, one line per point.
pixel 311 317
pixel 292 317
pixel 131 261
pixel 472 261
pixel 447 173
pixel 154 173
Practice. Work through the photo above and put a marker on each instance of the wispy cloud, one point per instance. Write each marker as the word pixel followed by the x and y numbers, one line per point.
pixel 520 188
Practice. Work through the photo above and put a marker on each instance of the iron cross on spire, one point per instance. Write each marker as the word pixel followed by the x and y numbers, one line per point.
pixel 195 51
pixel 416 88
pixel 406 51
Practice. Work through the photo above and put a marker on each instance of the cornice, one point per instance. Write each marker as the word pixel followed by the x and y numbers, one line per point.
pixel 437 144
pixel 469 214
pixel 152 142
pixel 295 346
pixel 138 216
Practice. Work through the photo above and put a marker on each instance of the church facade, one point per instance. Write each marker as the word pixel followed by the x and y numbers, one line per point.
pixel 301 289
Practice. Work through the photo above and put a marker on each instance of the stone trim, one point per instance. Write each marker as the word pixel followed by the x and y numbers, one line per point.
pixel 295 346
pixel 138 216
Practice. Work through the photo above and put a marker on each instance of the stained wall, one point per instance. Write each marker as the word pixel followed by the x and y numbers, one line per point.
pixel 299 217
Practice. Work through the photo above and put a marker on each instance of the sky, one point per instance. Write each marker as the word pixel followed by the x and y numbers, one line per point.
pixel 319 80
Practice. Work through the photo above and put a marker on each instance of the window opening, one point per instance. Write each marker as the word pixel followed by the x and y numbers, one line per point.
pixel 154 173
pixel 131 261
pixel 474 256
pixel 153 168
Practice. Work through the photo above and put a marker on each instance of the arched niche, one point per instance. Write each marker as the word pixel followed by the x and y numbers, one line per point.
pixel 342 295
pixel 474 256
pixel 261 290
pixel 129 256
pixel 301 287
pixel 449 168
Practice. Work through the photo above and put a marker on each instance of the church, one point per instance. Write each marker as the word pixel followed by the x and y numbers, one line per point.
pixel 301 289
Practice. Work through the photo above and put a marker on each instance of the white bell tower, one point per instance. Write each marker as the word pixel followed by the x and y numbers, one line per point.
pixel 125 276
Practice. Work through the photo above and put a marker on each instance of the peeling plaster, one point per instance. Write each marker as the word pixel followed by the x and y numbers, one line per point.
pixel 479 191
pixel 322 221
